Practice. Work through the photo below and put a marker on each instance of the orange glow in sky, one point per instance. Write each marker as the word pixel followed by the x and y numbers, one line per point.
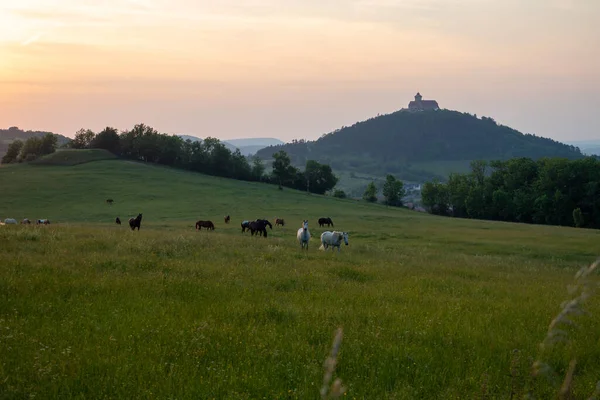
pixel 296 68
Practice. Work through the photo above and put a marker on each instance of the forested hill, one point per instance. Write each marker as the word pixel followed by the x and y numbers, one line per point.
pixel 403 140
pixel 11 134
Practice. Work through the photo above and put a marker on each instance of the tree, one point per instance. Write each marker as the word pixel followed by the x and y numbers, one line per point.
pixel 48 144
pixel 393 191
pixel 435 197
pixel 370 193
pixel 282 168
pixel 108 139
pixel 82 140
pixel 31 149
pixel 319 177
pixel 12 153
pixel 258 168
pixel 578 217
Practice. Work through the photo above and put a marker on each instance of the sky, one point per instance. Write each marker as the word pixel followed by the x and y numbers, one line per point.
pixel 295 69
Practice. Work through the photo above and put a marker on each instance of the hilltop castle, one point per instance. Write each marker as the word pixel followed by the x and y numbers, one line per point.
pixel 418 104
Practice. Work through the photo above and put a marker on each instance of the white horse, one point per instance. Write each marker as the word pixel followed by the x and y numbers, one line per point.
pixel 333 239
pixel 10 221
pixel 303 235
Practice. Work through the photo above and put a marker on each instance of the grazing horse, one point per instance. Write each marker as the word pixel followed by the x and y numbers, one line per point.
pixel 205 224
pixel 135 222
pixel 303 235
pixel 42 222
pixel 279 221
pixel 259 227
pixel 333 239
pixel 118 221
pixel 245 225
pixel 227 219
pixel 26 221
pixel 325 221
pixel 109 201
pixel 265 222
pixel 10 221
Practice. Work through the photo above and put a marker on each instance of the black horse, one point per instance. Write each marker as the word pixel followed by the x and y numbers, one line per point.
pixel 135 222
pixel 259 227
pixel 205 224
pixel 265 222
pixel 118 221
pixel 325 221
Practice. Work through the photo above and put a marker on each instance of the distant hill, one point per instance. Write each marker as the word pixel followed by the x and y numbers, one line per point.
pixel 255 142
pixel 247 146
pixel 197 139
pixel 588 147
pixel 417 146
pixel 11 134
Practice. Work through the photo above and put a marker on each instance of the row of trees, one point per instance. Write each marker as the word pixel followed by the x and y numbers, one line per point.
pixel 208 156
pixel 30 149
pixel 553 191
pixel 393 191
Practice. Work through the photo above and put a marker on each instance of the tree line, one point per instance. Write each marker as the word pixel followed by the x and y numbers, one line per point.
pixel 208 156
pixel 30 149
pixel 552 191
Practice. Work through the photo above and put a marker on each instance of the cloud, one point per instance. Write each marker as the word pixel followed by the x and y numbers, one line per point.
pixel 32 39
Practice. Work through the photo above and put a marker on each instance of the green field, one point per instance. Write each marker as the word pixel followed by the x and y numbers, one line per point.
pixel 431 308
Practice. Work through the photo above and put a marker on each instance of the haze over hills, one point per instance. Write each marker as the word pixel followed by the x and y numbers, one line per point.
pixel 247 146
pixel 418 146
pixel 587 147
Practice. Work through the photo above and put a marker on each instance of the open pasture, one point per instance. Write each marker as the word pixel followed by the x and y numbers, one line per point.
pixel 430 307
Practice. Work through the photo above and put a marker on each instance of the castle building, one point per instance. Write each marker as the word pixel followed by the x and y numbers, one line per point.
pixel 418 104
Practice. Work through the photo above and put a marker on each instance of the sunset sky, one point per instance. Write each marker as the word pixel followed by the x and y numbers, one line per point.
pixel 296 68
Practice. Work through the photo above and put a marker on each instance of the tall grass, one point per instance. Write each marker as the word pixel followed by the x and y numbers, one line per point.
pixel 430 307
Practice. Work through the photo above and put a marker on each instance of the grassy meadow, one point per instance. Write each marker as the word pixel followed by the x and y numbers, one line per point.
pixel 431 308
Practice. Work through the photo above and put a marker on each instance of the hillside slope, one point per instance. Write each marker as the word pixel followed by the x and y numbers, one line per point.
pixel 78 194
pixel 405 143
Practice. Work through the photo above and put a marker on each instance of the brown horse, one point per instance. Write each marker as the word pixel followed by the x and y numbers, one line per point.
pixel 227 219
pixel 279 221
pixel 109 201
pixel 135 222
pixel 205 224
pixel 42 222
pixel 118 221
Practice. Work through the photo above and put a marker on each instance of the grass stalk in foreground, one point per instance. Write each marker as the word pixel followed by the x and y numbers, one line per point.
pixel 336 389
pixel 585 285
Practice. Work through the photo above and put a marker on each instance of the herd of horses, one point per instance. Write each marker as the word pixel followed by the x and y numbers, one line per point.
pixel 257 227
